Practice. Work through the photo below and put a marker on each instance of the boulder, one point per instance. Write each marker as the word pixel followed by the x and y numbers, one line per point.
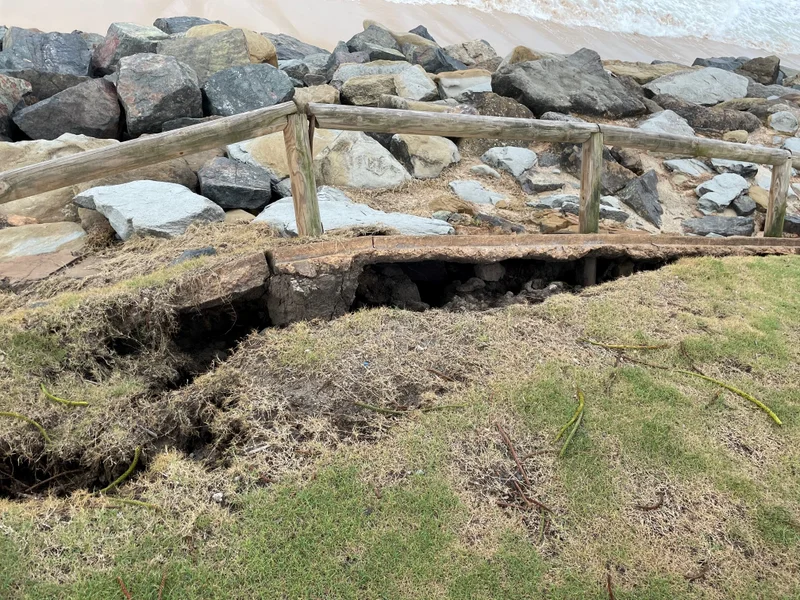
pixel 458 85
pixel 398 103
pixel 423 32
pixel 150 208
pixel 740 136
pixel 614 176
pixel 641 72
pixel 739 167
pixel 296 69
pixel 484 171
pixel 43 83
pixel 341 55
pixel 628 158
pixel 791 144
pixel 666 121
pixel 490 104
pixel 510 159
pixel 245 88
pixel 760 196
pixel 238 215
pixel 688 166
pixel 718 193
pixel 427 54
pixel 259 48
pixel 757 90
pixel 720 226
pixel 31 240
pixel 288 47
pixel 557 116
pixel 706 86
pixel 415 81
pixel 208 55
pixel 90 108
pixel 372 38
pixel 709 119
pixel 791 224
pixel 763 70
pixel 337 211
pixel 269 151
pixel 425 156
pixel 450 204
pixel 232 184
pixel 12 90
pixel 783 121
pixel 577 83
pixel 368 89
pixel 641 195
pixel 554 201
pixel 473 53
pixel 744 206
pixel 125 39
pixel 355 160
pixel 63 53
pixel 536 183
pixel 473 191
pixel 172 25
pixel 726 63
pixel 155 89
pixel 318 94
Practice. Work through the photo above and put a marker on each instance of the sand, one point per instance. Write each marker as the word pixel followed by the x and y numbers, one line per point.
pixel 324 22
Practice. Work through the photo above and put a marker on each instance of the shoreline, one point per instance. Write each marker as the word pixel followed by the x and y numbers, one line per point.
pixel 334 20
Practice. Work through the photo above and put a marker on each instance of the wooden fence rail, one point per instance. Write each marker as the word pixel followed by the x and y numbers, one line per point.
pixel 294 122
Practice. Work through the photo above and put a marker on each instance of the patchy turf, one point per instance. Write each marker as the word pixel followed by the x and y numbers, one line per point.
pixel 270 481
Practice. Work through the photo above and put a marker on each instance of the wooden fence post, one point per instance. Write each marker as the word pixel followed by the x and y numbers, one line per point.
pixel 301 172
pixel 589 213
pixel 778 195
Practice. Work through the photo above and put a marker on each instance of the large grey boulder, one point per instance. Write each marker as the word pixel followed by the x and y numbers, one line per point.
pixel 425 156
pixel 410 81
pixel 757 90
pixel 246 87
pixel 125 39
pixel 510 159
pixel 371 38
pixel 707 86
pixel 66 53
pixel 783 121
pixel 341 55
pixel 210 54
pixel 355 160
pixel 232 184
pixel 150 208
pixel 30 240
pixel 12 90
pixel 473 191
pixel 718 193
pixel 709 119
pixel 289 47
pixel 473 53
pixel 172 25
pixel 155 89
pixel 720 226
pixel 641 195
pixel 576 83
pixel 666 121
pixel 90 108
pixel 337 211
pixel 687 166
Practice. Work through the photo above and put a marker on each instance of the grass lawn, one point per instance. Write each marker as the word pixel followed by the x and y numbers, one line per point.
pixel 282 487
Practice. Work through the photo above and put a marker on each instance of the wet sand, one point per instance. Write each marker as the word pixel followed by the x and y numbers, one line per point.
pixel 324 22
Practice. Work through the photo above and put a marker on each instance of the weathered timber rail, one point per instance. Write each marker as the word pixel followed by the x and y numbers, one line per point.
pixel 298 123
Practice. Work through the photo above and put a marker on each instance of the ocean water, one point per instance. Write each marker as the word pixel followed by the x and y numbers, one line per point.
pixel 772 25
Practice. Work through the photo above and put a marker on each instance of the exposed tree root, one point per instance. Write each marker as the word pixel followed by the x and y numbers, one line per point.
pixel 389 411
pixel 576 419
pixel 126 474
pixel 658 504
pixel 62 400
pixel 623 346
pixel 14 415
pixel 132 502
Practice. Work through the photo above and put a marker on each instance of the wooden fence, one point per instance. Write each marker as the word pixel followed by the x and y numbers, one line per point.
pixel 298 123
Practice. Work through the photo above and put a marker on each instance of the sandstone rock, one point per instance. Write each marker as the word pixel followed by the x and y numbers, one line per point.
pixel 739 136
pixel 398 103
pixel 288 47
pixel 472 53
pixel 172 25
pixel 208 55
pixel 720 226
pixel 232 184
pixel 125 39
pixel 490 104
pixel 688 166
pixel 90 108
pixel 237 215
pixel 628 158
pixel 31 240
pixel 554 222
pixel 411 82
pixel 451 204
pixel 759 195
pixel 666 121
pixel 718 193
pixel 784 122
pixel 641 195
pixel 642 72
pixel 763 70
pixel 150 208
pixel 706 86
pixel 318 94
pixel 154 89
pixel 510 159
pixel 424 156
pixel 459 84
pixel 576 83
pixel 368 89
pixel 709 119
pixel 245 88
pixel 473 191
pixel 354 159
pixel 12 91
pixel 337 211
pixel 259 48
pixel 739 167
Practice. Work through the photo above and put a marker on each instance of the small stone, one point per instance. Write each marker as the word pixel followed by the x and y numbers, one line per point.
pixel 471 285
pixel 484 171
pixel 553 222
pixel 745 169
pixel 666 121
pixel 511 159
pixel 237 215
pixel 744 206
pixel 554 201
pixel 738 135
pixel 218 497
pixel 441 215
pixel 232 184
pixel 537 183
pixel 718 193
pixel 491 272
pixel 792 144
pixel 451 204
pixel 783 121
pixel 473 191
